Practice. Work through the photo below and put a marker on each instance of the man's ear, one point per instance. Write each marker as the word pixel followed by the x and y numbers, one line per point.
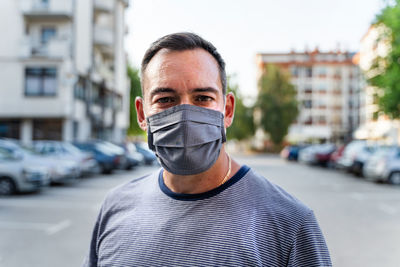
pixel 141 119
pixel 229 109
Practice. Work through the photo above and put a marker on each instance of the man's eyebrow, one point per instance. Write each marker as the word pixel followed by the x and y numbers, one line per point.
pixel 205 89
pixel 160 90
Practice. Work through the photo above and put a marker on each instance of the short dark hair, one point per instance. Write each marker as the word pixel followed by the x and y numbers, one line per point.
pixel 184 41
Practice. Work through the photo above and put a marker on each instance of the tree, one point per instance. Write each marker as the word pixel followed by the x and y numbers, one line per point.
pixel 136 90
pixel 243 123
pixel 388 67
pixel 277 103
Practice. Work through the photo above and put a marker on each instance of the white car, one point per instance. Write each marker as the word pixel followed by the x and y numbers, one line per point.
pixel 73 156
pixel 60 170
pixel 19 175
pixel 384 165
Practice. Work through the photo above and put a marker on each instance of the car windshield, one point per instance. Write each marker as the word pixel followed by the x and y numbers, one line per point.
pixel 29 150
pixel 71 148
pixel 383 151
pixel 104 149
pixel 5 154
pixel 14 149
pixel 112 147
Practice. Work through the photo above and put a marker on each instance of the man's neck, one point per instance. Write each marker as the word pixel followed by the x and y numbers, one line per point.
pixel 202 182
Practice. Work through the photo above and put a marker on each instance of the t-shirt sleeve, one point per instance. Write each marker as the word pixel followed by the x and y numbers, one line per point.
pixel 309 246
pixel 91 257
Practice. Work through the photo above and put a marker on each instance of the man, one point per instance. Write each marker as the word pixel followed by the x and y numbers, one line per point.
pixel 202 208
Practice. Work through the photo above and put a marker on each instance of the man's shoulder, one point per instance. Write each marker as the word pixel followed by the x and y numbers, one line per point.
pixel 131 190
pixel 269 196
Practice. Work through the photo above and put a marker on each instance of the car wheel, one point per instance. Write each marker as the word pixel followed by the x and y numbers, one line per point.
pixel 106 170
pixel 7 186
pixel 394 178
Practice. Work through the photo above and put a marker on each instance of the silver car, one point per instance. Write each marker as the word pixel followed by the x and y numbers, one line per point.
pixel 84 161
pixel 384 165
pixel 61 170
pixel 19 175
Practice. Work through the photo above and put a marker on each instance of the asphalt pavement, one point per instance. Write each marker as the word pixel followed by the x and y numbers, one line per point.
pixel 360 219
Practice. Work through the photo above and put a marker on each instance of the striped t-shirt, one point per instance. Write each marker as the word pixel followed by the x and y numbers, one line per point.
pixel 247 221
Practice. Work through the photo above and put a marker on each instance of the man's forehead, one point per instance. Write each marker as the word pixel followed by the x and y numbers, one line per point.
pixel 170 57
pixel 168 65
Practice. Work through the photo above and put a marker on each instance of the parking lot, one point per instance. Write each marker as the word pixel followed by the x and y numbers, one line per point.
pixel 360 219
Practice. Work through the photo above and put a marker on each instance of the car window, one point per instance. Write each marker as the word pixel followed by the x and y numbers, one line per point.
pixel 104 149
pixel 67 147
pixel 4 154
pixel 49 148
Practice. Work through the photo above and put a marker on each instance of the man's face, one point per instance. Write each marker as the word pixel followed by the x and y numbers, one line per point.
pixel 182 77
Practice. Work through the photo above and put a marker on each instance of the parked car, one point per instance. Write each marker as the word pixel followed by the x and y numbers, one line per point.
pixel 123 160
pixel 60 170
pixel 107 158
pixel 308 155
pixel 384 165
pixel 323 154
pixel 19 175
pixel 134 158
pixel 66 151
pixel 149 156
pixel 335 156
pixel 292 152
pixel 354 156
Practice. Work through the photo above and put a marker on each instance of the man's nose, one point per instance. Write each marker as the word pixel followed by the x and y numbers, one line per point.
pixel 186 99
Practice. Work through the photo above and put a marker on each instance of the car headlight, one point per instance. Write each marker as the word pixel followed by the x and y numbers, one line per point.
pixel 61 170
pixel 33 174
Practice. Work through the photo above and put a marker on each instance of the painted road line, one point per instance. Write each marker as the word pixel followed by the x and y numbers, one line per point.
pixel 48 228
pixel 58 227
pixel 388 209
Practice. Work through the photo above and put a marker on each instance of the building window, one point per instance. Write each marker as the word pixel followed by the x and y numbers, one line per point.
pixel 80 89
pixel 47 34
pixel 309 72
pixel 96 98
pixel 50 129
pixel 322 72
pixel 108 99
pixel 75 129
pixel 118 102
pixel 307 103
pixel 294 71
pixel 40 81
pixel 10 129
pixel 41 4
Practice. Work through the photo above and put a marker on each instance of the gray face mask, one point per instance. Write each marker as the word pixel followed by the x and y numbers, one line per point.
pixel 187 139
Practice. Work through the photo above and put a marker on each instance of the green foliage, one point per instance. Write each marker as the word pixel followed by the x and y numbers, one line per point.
pixel 243 123
pixel 277 103
pixel 388 67
pixel 134 78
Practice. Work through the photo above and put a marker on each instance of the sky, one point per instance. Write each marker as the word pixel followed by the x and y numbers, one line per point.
pixel 242 28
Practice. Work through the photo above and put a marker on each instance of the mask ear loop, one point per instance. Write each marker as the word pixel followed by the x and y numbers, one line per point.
pixel 223 130
pixel 150 138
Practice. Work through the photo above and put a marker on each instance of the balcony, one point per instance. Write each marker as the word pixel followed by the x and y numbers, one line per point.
pixel 54 49
pixel 37 10
pixel 104 5
pixel 104 39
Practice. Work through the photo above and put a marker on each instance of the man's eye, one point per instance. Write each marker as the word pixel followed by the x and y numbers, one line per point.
pixel 164 100
pixel 203 98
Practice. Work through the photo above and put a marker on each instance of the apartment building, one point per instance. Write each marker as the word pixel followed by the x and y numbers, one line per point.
pixel 375 125
pixel 327 85
pixel 63 70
